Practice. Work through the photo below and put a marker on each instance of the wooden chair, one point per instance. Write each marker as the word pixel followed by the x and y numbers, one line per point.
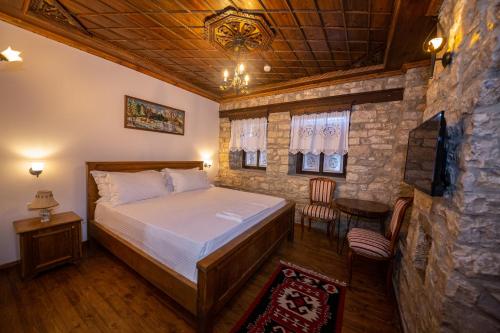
pixel 372 245
pixel 321 192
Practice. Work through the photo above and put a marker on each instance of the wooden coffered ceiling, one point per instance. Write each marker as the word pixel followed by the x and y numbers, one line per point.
pixel 315 39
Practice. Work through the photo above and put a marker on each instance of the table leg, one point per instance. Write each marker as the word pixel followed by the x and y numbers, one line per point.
pixel 338 232
pixel 346 231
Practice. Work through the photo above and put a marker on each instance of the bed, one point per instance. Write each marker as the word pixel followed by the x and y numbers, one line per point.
pixel 203 278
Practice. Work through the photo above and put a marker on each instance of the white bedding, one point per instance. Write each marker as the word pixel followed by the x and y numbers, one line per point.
pixel 179 229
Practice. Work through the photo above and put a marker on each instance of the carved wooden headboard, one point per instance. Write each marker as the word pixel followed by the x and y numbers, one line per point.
pixel 92 192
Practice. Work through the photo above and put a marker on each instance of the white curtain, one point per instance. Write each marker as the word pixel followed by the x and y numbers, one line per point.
pixel 320 133
pixel 249 135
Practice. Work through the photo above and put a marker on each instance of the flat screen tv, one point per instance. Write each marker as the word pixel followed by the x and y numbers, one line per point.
pixel 426 156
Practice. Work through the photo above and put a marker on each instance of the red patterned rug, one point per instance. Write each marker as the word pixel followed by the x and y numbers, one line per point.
pixel 296 300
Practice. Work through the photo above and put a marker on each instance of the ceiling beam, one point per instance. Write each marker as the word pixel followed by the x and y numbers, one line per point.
pixel 377 96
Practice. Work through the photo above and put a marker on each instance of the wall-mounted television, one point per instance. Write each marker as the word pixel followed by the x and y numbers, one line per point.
pixel 426 156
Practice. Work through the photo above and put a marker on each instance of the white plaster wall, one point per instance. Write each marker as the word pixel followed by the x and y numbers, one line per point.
pixel 64 107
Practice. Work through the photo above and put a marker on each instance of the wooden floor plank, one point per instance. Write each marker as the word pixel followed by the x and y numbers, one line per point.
pixel 101 294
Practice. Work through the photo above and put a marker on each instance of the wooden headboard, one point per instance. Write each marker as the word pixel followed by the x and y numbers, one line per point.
pixel 92 192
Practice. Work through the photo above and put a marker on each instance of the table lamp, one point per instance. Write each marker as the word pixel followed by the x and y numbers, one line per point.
pixel 44 200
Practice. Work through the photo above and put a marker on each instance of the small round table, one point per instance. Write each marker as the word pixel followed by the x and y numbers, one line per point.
pixel 359 208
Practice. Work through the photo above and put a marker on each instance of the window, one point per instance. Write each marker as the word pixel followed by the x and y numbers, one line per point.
pixel 250 137
pixel 255 160
pixel 320 141
pixel 328 165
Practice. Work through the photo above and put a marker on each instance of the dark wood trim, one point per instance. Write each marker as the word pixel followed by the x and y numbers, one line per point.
pixel 377 96
pixel 9 264
pixel 314 81
pixel 300 160
pixel 320 109
pixel 258 113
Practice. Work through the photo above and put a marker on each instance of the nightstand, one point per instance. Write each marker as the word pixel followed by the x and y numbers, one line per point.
pixel 48 244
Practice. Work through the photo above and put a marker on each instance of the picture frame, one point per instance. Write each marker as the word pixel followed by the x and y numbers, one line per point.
pixel 149 116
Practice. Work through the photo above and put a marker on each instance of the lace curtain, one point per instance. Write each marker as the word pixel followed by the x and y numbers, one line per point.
pixel 249 135
pixel 320 133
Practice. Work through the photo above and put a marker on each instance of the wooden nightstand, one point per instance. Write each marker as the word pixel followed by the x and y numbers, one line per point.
pixel 45 245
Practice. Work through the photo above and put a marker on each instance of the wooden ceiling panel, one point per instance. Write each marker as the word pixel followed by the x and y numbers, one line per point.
pixel 383 5
pixel 309 19
pixel 380 21
pixel 247 4
pixel 143 20
pixel 335 35
pixel 357 35
pixel 313 33
pixel 167 37
pixel 292 34
pixel 332 19
pixel 117 6
pixel 319 45
pixel 329 4
pixel 356 5
pixel 274 4
pixel 100 21
pixel 356 20
pixel 322 56
pixel 283 19
pixel 299 46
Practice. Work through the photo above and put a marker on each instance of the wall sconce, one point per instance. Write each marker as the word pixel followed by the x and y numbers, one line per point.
pixel 433 46
pixel 36 168
pixel 207 164
pixel 10 55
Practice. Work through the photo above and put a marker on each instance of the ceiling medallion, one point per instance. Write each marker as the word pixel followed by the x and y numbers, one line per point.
pixel 236 31
pixel 53 10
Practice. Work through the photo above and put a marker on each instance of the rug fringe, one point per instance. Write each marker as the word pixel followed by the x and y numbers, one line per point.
pixel 342 283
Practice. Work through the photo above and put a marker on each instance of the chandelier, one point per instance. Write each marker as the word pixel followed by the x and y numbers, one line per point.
pixel 239 81
pixel 236 33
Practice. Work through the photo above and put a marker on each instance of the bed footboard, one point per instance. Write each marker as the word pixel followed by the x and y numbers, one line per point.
pixel 223 272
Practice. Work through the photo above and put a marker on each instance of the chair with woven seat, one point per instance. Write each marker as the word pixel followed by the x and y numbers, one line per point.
pixel 373 245
pixel 320 208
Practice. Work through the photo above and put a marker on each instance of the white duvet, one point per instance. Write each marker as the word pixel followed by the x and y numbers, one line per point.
pixel 179 229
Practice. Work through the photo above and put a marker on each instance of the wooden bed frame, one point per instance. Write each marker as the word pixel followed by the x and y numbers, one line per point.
pixel 220 274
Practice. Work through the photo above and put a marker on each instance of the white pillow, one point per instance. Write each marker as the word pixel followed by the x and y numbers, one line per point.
pixel 189 181
pixel 134 186
pixel 101 179
pixel 166 171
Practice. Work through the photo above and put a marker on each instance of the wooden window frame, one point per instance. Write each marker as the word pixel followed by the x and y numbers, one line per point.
pixel 244 164
pixel 300 161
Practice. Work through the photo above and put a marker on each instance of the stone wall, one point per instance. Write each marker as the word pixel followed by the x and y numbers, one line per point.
pixel 449 276
pixel 377 143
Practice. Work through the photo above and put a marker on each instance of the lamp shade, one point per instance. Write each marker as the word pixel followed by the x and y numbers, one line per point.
pixel 43 199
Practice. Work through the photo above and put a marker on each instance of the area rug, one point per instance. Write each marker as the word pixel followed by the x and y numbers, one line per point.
pixel 296 300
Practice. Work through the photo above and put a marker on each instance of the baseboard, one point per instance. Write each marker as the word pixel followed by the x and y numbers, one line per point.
pixel 9 265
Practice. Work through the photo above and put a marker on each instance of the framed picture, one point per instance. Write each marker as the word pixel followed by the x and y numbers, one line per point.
pixel 149 116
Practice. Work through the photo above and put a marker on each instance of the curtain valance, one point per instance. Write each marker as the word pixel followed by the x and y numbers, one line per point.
pixel 320 133
pixel 249 135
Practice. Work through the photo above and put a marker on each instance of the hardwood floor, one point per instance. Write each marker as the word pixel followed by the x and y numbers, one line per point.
pixel 101 294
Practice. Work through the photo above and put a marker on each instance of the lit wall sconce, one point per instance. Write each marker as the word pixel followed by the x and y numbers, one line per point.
pixel 207 164
pixel 10 55
pixel 433 45
pixel 36 168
